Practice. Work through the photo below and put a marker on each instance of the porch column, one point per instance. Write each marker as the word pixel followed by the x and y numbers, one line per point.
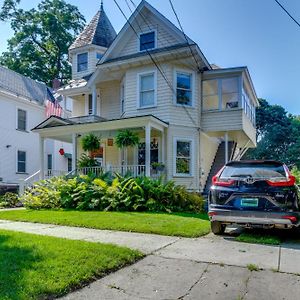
pixel 163 146
pixel 226 147
pixel 147 149
pixel 94 100
pixel 42 157
pixel 74 151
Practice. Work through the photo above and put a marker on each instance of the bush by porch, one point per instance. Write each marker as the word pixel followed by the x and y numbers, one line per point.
pixel 112 193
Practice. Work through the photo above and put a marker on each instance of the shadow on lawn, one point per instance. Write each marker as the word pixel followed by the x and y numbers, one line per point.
pixel 14 262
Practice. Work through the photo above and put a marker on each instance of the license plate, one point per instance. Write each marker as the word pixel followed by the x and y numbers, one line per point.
pixel 249 202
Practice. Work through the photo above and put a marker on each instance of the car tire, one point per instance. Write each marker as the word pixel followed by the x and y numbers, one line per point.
pixel 217 227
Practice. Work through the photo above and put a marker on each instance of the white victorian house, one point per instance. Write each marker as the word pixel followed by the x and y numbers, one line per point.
pixel 151 79
pixel 22 107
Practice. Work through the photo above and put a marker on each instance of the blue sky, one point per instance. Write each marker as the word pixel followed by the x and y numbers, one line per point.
pixel 230 33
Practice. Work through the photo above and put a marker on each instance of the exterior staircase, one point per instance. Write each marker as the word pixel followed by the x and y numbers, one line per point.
pixel 219 162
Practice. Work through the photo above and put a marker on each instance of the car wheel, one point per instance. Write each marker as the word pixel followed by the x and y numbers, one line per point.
pixel 217 227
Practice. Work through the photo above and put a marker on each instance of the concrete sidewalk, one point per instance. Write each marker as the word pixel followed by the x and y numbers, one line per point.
pixel 181 268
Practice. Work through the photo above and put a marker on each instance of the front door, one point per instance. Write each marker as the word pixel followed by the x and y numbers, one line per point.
pixel 153 152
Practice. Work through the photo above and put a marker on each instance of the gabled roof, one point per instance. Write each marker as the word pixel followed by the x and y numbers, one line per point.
pixel 143 7
pixel 20 85
pixel 99 32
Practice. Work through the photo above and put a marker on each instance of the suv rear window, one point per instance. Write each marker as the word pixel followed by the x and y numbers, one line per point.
pixel 255 170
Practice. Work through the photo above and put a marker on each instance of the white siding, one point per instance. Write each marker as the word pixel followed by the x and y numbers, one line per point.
pixel 110 106
pixel 191 182
pixel 222 120
pixel 208 150
pixel 164 37
pixel 12 140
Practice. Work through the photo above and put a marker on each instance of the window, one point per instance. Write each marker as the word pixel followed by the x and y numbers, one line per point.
pixel 210 91
pixel 22 119
pixel 99 55
pixel 147 41
pixel 147 90
pixel 230 97
pixel 184 88
pixel 49 161
pixel 221 93
pixel 69 164
pixel 21 162
pixel 183 157
pixel 82 62
pixel 90 104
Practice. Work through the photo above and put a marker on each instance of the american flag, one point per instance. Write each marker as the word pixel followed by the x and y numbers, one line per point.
pixel 52 106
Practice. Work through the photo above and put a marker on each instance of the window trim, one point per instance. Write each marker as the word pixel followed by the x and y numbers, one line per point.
pixel 17 119
pixel 139 40
pixel 87 62
pixel 17 161
pixel 192 156
pixel 139 75
pixel 193 86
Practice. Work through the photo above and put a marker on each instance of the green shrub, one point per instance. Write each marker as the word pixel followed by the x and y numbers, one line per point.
pixel 112 194
pixel 296 172
pixel 9 200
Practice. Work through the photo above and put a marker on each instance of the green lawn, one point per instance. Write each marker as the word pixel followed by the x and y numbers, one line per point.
pixel 39 267
pixel 256 238
pixel 186 225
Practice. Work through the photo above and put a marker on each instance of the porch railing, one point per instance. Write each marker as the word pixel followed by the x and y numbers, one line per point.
pixel 131 170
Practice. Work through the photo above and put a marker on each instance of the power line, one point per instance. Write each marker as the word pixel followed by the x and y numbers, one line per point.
pixel 185 36
pixel 155 63
pixel 287 12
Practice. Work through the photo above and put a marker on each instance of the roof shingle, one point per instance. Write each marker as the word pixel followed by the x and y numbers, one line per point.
pixel 98 32
pixel 21 85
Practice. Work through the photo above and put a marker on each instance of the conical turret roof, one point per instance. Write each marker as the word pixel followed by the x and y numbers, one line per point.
pixel 98 32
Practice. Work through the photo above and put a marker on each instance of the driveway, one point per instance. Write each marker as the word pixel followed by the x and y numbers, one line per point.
pixel 181 268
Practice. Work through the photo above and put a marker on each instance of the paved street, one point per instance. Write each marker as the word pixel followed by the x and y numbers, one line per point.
pixel 181 268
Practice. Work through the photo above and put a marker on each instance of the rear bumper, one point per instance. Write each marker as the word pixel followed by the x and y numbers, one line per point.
pixel 254 218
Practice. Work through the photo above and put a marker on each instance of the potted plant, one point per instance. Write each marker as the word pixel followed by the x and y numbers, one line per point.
pixel 157 166
pixel 126 138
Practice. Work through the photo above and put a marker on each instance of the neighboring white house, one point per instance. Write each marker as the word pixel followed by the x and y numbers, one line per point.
pixel 152 79
pixel 22 107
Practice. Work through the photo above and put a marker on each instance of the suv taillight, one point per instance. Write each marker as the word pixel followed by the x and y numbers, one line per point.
pixel 216 180
pixel 289 181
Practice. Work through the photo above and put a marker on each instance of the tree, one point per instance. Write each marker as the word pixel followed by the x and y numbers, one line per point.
pixel 39 47
pixel 278 135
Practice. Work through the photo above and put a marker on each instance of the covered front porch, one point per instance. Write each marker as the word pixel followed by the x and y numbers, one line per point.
pixel 134 161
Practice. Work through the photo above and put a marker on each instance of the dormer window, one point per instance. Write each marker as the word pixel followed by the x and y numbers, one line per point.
pixel 147 41
pixel 82 62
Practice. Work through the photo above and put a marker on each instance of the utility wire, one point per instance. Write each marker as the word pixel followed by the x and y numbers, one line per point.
pixel 287 12
pixel 185 36
pixel 153 60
